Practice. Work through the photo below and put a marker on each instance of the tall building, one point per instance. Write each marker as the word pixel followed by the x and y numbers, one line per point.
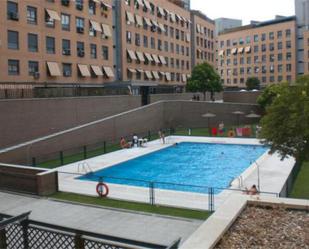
pixel 56 42
pixel 302 16
pixel 202 38
pixel 223 24
pixel 153 43
pixel 265 50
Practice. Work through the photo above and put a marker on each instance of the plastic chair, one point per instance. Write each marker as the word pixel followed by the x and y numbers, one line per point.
pixel 214 131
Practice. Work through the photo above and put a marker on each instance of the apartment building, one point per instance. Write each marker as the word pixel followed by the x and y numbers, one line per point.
pixel 265 50
pixel 202 39
pixel 154 43
pixel 58 42
pixel 223 24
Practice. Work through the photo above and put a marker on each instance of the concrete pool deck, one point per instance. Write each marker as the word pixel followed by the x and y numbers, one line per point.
pixel 273 173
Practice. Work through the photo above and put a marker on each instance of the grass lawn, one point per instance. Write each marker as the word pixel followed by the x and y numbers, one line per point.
pixel 301 184
pixel 133 206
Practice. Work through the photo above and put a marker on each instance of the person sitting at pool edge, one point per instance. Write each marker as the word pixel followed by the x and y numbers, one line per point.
pixel 252 191
pixel 124 144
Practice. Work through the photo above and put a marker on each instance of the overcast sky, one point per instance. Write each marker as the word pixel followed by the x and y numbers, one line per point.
pixel 258 10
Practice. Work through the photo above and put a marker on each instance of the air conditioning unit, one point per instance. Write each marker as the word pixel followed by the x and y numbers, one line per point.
pixel 79 6
pixel 66 52
pixel 65 2
pixel 13 16
pixel 80 30
pixel 36 75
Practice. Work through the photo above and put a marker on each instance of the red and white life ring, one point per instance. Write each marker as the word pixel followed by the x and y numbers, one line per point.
pixel 102 189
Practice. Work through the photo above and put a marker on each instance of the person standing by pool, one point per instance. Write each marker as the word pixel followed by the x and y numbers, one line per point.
pixel 161 136
pixel 221 128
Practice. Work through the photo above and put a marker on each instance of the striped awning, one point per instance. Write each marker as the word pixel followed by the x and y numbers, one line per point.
pixel 106 30
pixel 162 59
pixel 148 56
pixel 84 71
pixel 139 20
pixel 155 58
pixel 96 26
pixel 97 70
pixel 131 54
pixel 148 75
pixel 53 15
pixel 156 75
pixel 109 72
pixel 53 69
pixel 130 17
pixel 140 56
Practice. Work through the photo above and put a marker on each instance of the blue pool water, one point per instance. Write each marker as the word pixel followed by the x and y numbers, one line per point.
pixel 194 164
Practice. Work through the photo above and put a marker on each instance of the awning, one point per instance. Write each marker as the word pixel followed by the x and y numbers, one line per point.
pixel 156 75
pixel 106 30
pixel 132 54
pixel 234 51
pixel 162 73
pixel 148 56
pixel 240 50
pixel 140 2
pixel 97 1
pixel 96 26
pixel 155 58
pixel 161 11
pixel 130 17
pixel 188 37
pixel 221 53
pixel 161 26
pixel 53 14
pixel 198 28
pixel 168 76
pixel 105 4
pixel 155 23
pixel 148 75
pixel 109 72
pixel 97 70
pixel 162 59
pixel 248 49
pixel 53 69
pixel 131 70
pixel 140 70
pixel 173 17
pixel 179 17
pixel 148 22
pixel 140 56
pixel 147 4
pixel 184 78
pixel 84 71
pixel 139 20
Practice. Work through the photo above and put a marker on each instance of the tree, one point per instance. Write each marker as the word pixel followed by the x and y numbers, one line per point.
pixel 285 127
pixel 268 95
pixel 204 79
pixel 253 83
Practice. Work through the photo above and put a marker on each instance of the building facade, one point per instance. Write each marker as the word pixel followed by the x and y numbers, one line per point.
pixel 264 50
pixel 154 42
pixel 56 42
pixel 223 24
pixel 202 39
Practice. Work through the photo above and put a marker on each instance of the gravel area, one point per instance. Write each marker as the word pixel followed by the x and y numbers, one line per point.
pixel 261 227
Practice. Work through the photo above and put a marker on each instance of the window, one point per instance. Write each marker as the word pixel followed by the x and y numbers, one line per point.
pixel 172 47
pixel 248 39
pixel 152 43
pixel 288 44
pixel 263 47
pixel 79 4
pixel 66 47
pixel 32 43
pixel 145 41
pixel 177 49
pixel 13 67
pixel 159 45
pixel 79 25
pixel 67 69
pixel 177 34
pixel 248 60
pixel 92 7
pixel 279 45
pixel 256 59
pixel 221 44
pixel 12 11
pixel 80 49
pixel 256 48
pixel 93 51
pixel 279 34
pixel 288 33
pixel 13 42
pixel 49 22
pixel 31 15
pixel 263 37
pixel 65 2
pixel 137 40
pixel 280 68
pixel 288 56
pixel 33 68
pixel 279 57
pixel 65 22
pixel 171 32
pixel 256 38
pixel 105 52
pixel 271 58
pixel 166 46
pixel 92 31
pixel 50 45
pixel 129 37
pixel 228 43
pixel 271 47
pixel 264 58
pixel 241 41
pixel 271 36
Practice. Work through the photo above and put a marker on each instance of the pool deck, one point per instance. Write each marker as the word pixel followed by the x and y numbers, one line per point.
pixel 157 229
pixel 273 173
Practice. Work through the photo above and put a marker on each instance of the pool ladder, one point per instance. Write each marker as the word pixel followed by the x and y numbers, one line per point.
pixel 84 167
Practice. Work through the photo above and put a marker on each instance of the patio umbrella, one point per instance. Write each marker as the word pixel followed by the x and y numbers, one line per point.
pixel 238 113
pixel 253 115
pixel 208 115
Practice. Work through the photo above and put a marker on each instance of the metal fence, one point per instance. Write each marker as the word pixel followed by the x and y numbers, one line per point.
pixel 21 233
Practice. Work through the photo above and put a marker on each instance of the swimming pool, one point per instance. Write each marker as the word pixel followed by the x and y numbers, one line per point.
pixel 188 163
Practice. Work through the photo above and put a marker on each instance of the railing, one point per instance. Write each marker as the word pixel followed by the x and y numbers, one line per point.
pixel 158 193
pixel 52 160
pixel 21 233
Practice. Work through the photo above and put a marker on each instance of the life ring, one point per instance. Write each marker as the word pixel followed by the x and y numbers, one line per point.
pixel 100 189
pixel 231 133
